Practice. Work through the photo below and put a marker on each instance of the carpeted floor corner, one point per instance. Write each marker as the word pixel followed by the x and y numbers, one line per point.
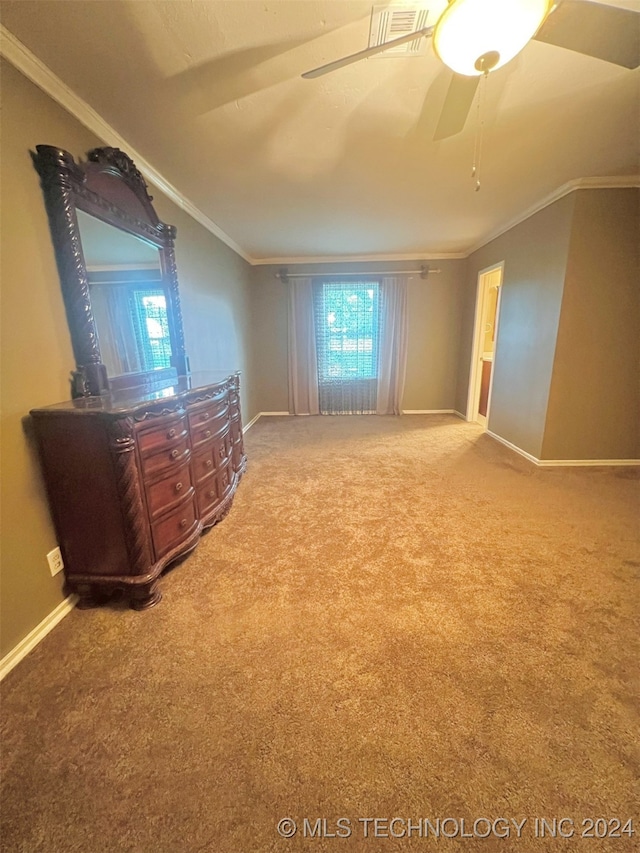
pixel 399 618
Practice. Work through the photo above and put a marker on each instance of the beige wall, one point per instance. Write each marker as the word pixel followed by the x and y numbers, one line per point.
pixel 215 296
pixel 435 310
pixel 535 258
pixel 36 349
pixel 434 332
pixel 594 404
pixel 269 313
pixel 566 371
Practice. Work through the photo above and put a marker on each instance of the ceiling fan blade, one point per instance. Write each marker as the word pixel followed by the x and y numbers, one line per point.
pixel 456 107
pixel 604 32
pixel 425 32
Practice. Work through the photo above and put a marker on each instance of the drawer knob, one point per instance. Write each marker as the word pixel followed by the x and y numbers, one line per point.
pixel 211 493
pixel 225 479
pixel 178 487
pixel 175 453
pixel 206 416
pixel 209 463
pixel 207 433
pixel 221 452
pixel 171 433
pixel 183 523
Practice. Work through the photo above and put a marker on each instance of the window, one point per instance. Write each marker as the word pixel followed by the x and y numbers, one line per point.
pixel 129 306
pixel 347 323
pixel 151 325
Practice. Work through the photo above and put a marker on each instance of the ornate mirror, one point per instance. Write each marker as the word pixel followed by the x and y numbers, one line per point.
pixel 117 269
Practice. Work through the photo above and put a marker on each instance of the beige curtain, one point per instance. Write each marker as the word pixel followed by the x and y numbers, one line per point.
pixel 393 345
pixel 303 362
pixel 116 335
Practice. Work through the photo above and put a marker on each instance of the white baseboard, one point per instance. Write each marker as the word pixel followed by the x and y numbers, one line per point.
pixel 32 639
pixel 434 412
pixel 588 463
pixel 404 412
pixel 428 412
pixel 565 463
pixel 264 415
pixel 248 426
pixel 512 447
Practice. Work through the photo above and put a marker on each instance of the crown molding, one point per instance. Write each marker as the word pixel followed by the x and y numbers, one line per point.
pixel 609 182
pixel 358 259
pixel 15 52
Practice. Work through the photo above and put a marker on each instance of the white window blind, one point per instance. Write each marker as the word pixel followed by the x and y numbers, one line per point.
pixel 347 324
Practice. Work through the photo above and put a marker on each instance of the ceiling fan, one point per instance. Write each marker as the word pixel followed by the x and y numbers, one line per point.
pixel 476 37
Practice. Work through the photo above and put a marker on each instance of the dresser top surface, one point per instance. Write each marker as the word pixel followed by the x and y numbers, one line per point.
pixel 185 388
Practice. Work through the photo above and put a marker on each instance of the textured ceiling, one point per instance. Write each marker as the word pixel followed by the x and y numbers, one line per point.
pixel 344 165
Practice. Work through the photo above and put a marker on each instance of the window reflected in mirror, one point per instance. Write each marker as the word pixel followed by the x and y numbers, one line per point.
pixel 128 299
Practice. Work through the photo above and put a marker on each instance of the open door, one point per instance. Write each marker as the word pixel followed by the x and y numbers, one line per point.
pixel 484 341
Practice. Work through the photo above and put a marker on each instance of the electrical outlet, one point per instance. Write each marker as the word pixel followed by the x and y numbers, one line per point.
pixel 54 558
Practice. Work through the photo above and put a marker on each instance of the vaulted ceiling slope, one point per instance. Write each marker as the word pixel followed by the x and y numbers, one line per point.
pixel 344 165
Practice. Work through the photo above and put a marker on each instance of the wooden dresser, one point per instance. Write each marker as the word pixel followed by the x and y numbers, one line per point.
pixel 134 478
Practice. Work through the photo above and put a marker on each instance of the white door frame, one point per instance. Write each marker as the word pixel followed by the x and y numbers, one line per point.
pixel 473 396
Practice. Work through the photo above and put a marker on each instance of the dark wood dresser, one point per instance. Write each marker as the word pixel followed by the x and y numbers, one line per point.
pixel 134 478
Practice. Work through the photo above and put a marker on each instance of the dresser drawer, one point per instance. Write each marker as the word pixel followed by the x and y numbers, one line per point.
pixel 202 465
pixel 225 481
pixel 236 432
pixel 153 440
pixel 208 496
pixel 169 491
pixel 218 400
pixel 205 462
pixel 175 528
pixel 214 489
pixel 155 463
pixel 223 449
pixel 209 429
pixel 208 411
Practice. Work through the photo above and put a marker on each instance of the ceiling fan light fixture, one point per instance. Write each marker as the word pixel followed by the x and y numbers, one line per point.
pixel 475 36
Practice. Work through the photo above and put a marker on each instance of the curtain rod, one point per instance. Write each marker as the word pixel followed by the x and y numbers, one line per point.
pixel 284 275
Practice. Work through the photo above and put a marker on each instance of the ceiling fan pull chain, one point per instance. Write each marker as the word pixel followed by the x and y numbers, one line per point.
pixel 477 150
pixel 474 168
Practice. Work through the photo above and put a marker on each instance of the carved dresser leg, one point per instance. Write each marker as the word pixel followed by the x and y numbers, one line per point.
pixel 88 598
pixel 145 597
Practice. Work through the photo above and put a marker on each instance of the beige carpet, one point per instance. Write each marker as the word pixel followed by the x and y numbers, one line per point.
pixel 399 618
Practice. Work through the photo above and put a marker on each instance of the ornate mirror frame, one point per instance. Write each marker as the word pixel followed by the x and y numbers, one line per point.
pixel 109 187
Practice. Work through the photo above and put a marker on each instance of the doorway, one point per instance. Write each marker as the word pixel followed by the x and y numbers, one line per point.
pixel 484 343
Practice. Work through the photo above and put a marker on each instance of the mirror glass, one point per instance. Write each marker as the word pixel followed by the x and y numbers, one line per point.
pixel 128 298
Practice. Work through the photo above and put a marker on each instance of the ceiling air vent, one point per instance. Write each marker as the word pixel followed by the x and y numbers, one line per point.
pixel 391 22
